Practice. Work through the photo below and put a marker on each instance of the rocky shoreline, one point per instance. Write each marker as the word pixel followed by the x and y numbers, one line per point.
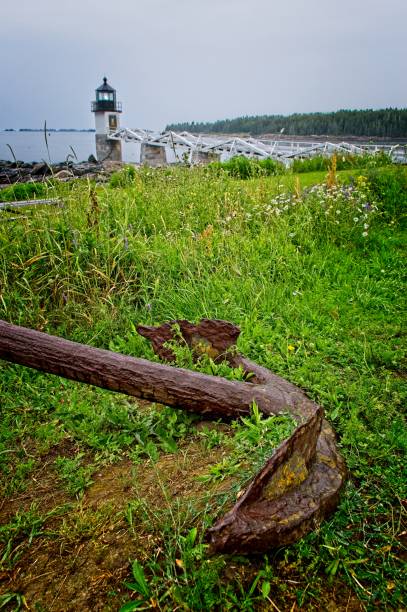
pixel 24 172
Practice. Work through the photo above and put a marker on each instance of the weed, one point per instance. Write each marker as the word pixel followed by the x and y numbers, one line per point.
pixel 19 534
pixel 123 178
pixel 254 441
pixel 16 599
pixel 331 177
pixel 20 473
pixel 75 476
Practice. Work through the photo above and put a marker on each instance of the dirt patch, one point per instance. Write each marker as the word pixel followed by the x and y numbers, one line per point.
pixel 82 560
pixel 42 487
pixel 114 484
pixel 82 554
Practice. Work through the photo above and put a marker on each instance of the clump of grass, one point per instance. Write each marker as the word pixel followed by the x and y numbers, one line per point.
pixel 19 533
pixel 389 187
pixel 254 440
pixel 76 476
pixel 123 178
pixel 345 161
pixel 24 191
pixel 244 168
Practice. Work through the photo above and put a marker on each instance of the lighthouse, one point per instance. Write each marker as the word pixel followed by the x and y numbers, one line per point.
pixel 107 120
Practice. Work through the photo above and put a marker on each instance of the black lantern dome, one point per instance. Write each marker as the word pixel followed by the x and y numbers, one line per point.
pixel 106 99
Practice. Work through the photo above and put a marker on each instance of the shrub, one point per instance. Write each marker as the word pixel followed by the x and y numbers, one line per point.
pixel 244 168
pixel 271 167
pixel 389 186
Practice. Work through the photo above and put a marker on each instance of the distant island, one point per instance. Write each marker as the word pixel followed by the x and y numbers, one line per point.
pixel 48 130
pixel 387 123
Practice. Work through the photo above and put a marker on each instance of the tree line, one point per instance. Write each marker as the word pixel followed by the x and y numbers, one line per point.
pixel 388 122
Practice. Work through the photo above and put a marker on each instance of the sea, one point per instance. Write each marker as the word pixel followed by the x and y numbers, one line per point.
pixel 62 146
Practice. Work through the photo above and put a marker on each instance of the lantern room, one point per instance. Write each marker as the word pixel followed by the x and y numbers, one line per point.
pixel 106 99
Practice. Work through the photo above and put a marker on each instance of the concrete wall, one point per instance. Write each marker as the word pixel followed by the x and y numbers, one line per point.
pixel 152 155
pixel 108 150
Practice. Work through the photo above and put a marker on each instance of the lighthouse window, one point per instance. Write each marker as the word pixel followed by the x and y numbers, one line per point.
pixel 105 96
pixel 112 122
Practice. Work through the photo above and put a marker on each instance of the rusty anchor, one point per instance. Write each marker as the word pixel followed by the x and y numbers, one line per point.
pixel 297 487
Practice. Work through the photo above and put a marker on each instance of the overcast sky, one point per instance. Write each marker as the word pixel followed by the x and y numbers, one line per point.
pixel 184 60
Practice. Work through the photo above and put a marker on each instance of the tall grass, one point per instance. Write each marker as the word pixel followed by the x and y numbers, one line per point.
pixel 345 161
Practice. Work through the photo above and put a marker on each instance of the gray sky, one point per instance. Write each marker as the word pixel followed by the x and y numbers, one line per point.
pixel 184 60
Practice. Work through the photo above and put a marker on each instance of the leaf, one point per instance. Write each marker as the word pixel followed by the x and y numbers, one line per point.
pixel 141 584
pixel 131 605
pixel 191 537
pixel 32 260
pixel 332 567
pixel 168 445
pixel 265 589
pixel 334 414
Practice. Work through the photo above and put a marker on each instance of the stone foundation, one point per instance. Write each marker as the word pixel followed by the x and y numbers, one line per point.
pixel 108 150
pixel 204 157
pixel 153 155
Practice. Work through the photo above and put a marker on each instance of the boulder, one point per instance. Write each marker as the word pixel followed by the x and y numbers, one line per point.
pixel 40 169
pixel 63 174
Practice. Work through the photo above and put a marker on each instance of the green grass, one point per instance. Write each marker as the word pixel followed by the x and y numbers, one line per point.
pixel 314 279
pixel 24 191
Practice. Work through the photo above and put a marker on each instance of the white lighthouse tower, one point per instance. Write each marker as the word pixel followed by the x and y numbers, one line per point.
pixel 107 120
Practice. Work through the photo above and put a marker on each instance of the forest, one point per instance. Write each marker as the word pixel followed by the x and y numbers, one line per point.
pixel 389 123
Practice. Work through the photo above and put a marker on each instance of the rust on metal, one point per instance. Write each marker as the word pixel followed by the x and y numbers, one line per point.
pixel 296 488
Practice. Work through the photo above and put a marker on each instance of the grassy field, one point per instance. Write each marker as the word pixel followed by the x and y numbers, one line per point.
pixel 104 499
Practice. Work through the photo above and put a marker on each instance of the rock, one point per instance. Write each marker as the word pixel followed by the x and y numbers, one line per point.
pixel 112 166
pixel 40 169
pixel 11 172
pixel 80 170
pixel 63 174
pixel 92 159
pixel 24 171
